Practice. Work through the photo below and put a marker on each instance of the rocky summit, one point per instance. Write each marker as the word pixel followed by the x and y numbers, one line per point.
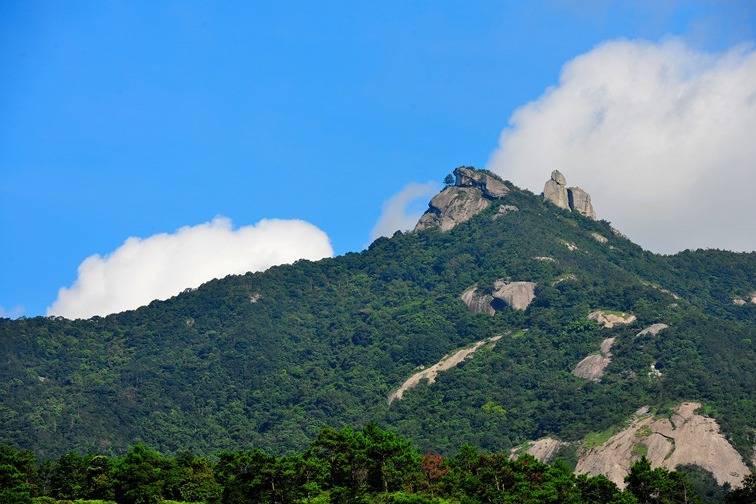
pixel 472 192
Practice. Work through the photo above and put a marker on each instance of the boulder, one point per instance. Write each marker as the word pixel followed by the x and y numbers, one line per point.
pixel 580 202
pixel 555 190
pixel 477 302
pixel 516 295
pixel 491 185
pixel 452 206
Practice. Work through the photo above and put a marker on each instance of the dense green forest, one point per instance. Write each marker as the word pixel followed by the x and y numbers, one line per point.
pixel 371 465
pixel 269 359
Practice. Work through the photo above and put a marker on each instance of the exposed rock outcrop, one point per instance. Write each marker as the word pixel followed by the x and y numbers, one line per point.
pixel 609 319
pixel 472 193
pixel 490 185
pixel 599 238
pixel 580 202
pixel 652 330
pixel 738 301
pixel 570 246
pixel 545 259
pixel 685 438
pixel 516 295
pixel 569 277
pixel 445 364
pixel 544 449
pixel 452 206
pixel 504 210
pixel 555 190
pixel 592 367
pixel 570 198
pixel 477 302
pixel 660 289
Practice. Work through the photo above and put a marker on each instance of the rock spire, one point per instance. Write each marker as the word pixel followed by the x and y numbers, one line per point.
pixel 569 198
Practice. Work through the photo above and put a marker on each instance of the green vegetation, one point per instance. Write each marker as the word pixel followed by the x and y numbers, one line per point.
pixel 640 450
pixel 644 431
pixel 371 465
pixel 327 341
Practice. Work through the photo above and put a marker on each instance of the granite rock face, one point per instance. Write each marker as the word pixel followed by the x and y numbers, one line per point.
pixel 592 367
pixel 452 206
pixel 580 202
pixel 490 185
pixel 473 192
pixel 516 295
pixel 610 319
pixel 477 302
pixel 569 198
pixel 555 190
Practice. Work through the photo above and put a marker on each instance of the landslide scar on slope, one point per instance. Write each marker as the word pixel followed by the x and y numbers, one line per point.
pixel 448 362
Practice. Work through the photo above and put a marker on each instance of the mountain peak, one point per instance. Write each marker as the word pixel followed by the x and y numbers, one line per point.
pixel 472 192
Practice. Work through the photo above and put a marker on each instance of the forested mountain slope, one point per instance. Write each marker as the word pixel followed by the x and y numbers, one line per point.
pixel 267 359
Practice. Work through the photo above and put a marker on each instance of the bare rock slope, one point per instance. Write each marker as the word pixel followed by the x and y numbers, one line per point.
pixel 592 367
pixel 448 362
pixel 609 319
pixel 544 449
pixel 684 438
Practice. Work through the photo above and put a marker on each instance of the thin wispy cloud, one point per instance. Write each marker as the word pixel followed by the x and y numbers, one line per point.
pixel 402 210
pixel 12 312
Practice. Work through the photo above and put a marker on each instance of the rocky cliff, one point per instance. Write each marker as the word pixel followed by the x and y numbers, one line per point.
pixel 472 192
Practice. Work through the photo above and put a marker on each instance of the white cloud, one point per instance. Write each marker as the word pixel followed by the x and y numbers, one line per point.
pixel 13 312
pixel 163 265
pixel 661 135
pixel 402 210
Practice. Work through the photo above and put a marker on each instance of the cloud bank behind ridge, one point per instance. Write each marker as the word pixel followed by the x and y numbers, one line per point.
pixel 162 265
pixel 660 134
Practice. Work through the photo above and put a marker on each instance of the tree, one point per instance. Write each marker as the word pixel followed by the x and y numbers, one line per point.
pixel 658 486
pixel 17 471
pixel 449 180
pixel 745 494
pixel 138 477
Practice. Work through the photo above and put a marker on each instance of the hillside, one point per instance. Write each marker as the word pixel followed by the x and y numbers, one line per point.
pixel 268 359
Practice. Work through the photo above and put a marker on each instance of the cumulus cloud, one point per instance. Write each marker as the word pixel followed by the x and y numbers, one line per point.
pixel 162 265
pixel 660 134
pixel 402 210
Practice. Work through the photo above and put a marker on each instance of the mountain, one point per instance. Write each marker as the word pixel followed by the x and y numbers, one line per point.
pixel 503 319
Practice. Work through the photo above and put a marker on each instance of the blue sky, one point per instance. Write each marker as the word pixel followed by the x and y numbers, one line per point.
pixel 123 119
